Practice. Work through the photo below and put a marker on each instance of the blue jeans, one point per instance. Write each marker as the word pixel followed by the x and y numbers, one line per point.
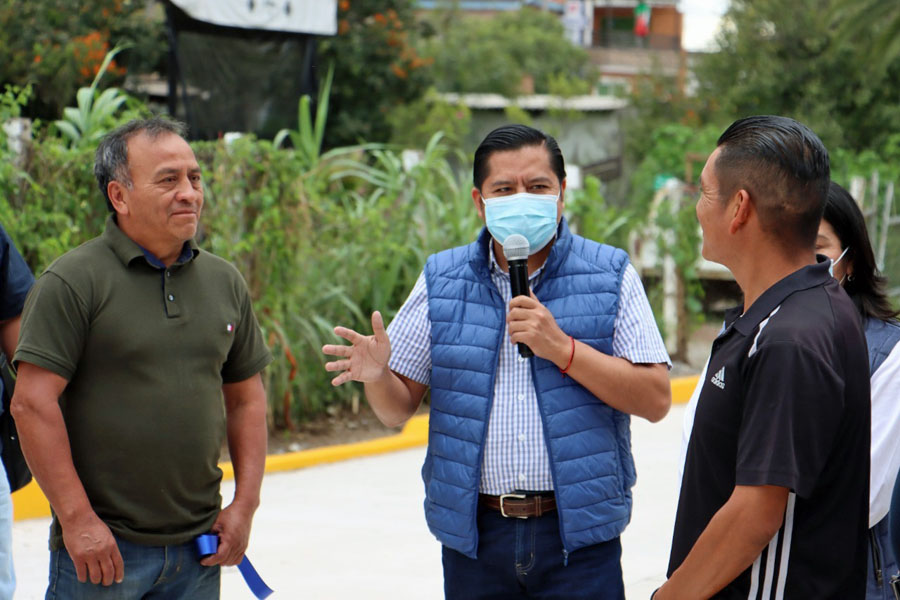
pixel 7 573
pixel 523 558
pixel 151 572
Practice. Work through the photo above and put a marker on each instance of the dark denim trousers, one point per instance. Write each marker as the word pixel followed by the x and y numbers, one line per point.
pixel 151 572
pixel 523 558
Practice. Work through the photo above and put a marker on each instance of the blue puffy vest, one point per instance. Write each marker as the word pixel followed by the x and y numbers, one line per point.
pixel 589 443
pixel 881 337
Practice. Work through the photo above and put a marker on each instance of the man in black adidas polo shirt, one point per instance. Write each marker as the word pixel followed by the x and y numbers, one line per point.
pixel 775 491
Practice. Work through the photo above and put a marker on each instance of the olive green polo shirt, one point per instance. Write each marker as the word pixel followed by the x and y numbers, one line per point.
pixel 145 350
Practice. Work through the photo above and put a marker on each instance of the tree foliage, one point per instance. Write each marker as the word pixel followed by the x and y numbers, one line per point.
pixel 377 68
pixel 59 45
pixel 787 57
pixel 872 27
pixel 415 123
pixel 474 54
pixel 657 101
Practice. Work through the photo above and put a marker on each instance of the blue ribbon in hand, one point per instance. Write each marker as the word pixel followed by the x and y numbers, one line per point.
pixel 208 543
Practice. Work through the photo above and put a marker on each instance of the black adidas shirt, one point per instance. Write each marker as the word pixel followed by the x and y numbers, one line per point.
pixel 786 403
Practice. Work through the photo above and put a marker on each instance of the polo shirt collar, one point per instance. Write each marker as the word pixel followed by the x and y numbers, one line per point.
pixel 127 250
pixel 808 277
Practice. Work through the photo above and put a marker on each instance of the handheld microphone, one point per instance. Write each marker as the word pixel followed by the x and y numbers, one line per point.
pixel 515 249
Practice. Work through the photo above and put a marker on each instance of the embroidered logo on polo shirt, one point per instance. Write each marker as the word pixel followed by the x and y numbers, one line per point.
pixel 718 379
pixel 229 327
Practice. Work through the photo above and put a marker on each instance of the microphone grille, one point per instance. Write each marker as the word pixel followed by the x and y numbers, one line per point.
pixel 515 247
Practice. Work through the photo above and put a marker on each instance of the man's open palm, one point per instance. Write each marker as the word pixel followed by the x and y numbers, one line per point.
pixel 366 359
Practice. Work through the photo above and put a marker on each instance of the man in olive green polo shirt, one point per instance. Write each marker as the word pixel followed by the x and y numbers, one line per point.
pixel 128 346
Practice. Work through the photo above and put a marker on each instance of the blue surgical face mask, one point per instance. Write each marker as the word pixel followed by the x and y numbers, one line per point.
pixel 834 262
pixel 531 215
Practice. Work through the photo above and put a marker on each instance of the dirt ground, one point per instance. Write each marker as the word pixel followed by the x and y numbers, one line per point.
pixel 339 426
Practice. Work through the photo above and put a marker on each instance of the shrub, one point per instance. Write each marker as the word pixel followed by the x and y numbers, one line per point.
pixel 59 45
pixel 318 246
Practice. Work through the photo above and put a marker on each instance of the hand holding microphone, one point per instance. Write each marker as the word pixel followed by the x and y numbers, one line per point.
pixel 529 319
pixel 515 249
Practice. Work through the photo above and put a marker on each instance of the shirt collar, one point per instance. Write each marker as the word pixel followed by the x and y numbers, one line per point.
pixel 127 250
pixel 802 279
pixel 187 254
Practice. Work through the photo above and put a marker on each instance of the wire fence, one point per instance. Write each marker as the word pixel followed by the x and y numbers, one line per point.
pixel 878 205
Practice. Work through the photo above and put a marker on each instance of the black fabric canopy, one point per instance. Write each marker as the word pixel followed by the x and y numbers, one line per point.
pixel 242 65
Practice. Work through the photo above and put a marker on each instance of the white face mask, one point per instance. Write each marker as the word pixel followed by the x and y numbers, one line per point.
pixel 834 262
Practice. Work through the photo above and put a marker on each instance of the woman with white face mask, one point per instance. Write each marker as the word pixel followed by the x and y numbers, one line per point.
pixel 843 238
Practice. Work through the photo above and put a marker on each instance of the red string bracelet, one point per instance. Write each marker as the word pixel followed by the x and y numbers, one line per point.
pixel 571 358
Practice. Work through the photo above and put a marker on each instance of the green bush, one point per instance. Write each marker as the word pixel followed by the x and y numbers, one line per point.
pixel 591 216
pixel 377 68
pixel 53 205
pixel 59 45
pixel 318 246
pixel 414 123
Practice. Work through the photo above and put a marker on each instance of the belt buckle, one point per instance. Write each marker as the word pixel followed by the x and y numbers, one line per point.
pixel 504 497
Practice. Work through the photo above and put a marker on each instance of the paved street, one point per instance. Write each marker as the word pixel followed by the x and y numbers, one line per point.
pixel 355 529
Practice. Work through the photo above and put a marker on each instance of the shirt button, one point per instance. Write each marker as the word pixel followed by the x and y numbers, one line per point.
pixel 521 476
pixel 521 358
pixel 521 437
pixel 171 298
pixel 521 397
pixel 168 273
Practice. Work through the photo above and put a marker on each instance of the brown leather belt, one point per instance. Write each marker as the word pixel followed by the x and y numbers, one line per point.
pixel 520 506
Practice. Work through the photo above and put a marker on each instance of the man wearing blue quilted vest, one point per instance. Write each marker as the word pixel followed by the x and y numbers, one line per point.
pixel 529 471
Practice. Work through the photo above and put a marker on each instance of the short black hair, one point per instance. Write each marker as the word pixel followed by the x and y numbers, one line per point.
pixel 513 137
pixel 866 286
pixel 111 158
pixel 785 168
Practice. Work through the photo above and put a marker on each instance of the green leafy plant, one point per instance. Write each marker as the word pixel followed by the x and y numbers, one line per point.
pixel 327 244
pixel 94 114
pixel 307 138
pixel 13 99
pixel 415 124
pixel 591 216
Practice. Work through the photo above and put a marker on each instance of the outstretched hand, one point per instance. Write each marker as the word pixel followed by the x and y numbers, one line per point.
pixel 366 359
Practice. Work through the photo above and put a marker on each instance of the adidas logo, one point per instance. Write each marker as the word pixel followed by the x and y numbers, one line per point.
pixel 718 379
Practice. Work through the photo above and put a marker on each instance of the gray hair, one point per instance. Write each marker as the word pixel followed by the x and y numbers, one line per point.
pixel 111 159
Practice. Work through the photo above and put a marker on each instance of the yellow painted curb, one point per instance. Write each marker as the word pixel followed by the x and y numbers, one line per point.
pixel 682 388
pixel 30 502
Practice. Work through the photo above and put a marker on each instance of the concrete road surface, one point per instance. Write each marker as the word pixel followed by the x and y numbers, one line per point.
pixel 356 529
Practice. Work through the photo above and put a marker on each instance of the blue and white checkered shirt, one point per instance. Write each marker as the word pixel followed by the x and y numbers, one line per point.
pixel 515 453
